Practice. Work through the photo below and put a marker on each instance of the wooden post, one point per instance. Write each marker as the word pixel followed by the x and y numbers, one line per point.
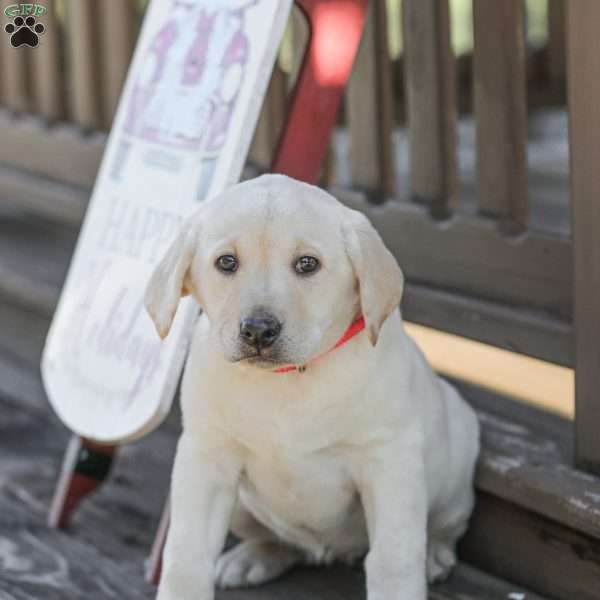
pixel 430 83
pixel 583 61
pixel 501 110
pixel 270 120
pixel 47 69
pixel 14 63
pixel 370 107
pixel 84 92
pixel 118 36
pixel 556 42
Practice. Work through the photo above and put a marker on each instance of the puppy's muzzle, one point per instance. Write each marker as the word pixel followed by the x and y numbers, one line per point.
pixel 260 332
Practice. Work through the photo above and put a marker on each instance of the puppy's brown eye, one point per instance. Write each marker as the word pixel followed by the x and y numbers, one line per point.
pixel 306 264
pixel 227 263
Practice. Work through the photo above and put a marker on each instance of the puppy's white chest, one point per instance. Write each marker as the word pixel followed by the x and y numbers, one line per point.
pixel 308 500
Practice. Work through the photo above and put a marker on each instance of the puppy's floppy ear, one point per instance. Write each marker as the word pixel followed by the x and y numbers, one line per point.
pixel 169 282
pixel 379 277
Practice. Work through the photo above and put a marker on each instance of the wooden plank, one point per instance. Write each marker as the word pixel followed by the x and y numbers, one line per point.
pixel 584 95
pixel 20 385
pixel 532 271
pixel 270 121
pixel 14 72
pixel 556 56
pixel 537 519
pixel 518 330
pixel 47 77
pixel 60 152
pixel 467 583
pixel 83 60
pixel 430 88
pixel 17 287
pixel 103 558
pixel 22 335
pixel 526 460
pixel 34 257
pixel 531 551
pixel 50 199
pixel 117 40
pixel 369 103
pixel 501 111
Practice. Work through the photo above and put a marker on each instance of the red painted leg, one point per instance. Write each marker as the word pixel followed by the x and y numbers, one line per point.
pixel 154 564
pixel 85 467
pixel 335 28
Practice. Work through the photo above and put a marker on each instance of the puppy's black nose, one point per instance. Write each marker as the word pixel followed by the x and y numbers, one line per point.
pixel 260 332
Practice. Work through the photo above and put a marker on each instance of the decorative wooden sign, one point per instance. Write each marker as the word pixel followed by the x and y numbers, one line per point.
pixel 180 136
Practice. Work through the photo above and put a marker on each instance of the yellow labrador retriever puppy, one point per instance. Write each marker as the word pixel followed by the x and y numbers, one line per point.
pixel 313 427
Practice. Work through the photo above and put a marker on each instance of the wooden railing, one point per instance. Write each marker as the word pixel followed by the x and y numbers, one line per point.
pixel 77 72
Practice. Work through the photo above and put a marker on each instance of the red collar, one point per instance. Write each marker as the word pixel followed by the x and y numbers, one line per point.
pixel 354 328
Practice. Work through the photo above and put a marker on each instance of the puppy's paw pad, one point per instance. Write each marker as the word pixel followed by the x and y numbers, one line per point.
pixel 441 559
pixel 254 562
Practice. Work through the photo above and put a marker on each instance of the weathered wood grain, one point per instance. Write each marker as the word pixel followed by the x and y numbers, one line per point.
pixel 117 34
pixel 34 257
pixel 14 72
pixel 270 120
pixel 556 54
pixel 531 467
pixel 82 47
pixel 53 200
pixel 529 549
pixel 22 334
pixel 583 50
pixel 47 83
pixel 39 562
pixel 523 331
pixel 18 384
pixel 430 83
pixel 501 110
pixel 469 254
pixel 369 107
pixel 537 519
pixel 61 152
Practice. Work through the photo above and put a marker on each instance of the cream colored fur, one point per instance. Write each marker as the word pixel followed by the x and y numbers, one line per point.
pixel 366 452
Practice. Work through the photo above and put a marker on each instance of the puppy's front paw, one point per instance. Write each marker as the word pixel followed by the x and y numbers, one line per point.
pixel 253 562
pixel 441 559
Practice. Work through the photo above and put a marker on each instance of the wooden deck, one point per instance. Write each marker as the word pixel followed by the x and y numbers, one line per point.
pixel 102 555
